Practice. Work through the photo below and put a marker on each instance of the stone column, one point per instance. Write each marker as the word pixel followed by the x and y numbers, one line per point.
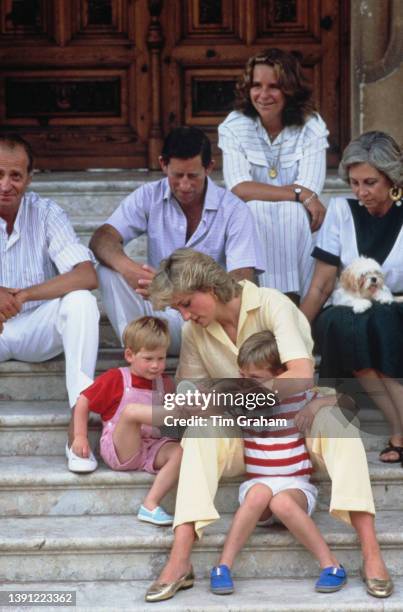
pixel 377 67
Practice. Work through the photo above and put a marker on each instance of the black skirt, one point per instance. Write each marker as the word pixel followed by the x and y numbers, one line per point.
pixel 372 339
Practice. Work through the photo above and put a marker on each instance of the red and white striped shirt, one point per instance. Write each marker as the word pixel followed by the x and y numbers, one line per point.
pixel 279 451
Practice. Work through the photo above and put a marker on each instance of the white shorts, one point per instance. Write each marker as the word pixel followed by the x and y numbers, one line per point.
pixel 282 483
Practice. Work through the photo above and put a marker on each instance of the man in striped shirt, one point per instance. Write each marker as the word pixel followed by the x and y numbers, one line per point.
pixel 46 275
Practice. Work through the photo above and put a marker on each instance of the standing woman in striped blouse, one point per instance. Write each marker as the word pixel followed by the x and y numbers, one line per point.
pixel 274 156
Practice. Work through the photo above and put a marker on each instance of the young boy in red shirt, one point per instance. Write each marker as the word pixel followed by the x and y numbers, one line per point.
pixel 124 397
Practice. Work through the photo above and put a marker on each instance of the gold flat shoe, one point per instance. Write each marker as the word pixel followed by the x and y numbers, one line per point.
pixel 159 591
pixel 377 587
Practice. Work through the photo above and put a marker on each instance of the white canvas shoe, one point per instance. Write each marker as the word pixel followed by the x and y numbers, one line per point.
pixel 80 465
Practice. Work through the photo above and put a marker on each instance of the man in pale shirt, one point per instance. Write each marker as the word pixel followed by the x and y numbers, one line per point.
pixel 46 275
pixel 184 209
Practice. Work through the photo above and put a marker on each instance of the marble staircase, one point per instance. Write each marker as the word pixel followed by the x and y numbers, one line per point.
pixel 62 531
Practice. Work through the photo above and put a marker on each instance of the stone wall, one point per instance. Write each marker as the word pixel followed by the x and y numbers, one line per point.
pixel 377 67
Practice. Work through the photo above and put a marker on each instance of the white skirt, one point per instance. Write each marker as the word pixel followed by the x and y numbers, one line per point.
pixel 287 244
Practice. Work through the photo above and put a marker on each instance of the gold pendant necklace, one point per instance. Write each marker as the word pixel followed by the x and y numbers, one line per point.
pixel 273 170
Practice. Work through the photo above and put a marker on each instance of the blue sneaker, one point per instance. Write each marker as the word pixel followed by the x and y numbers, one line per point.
pixel 331 579
pixel 221 580
pixel 158 516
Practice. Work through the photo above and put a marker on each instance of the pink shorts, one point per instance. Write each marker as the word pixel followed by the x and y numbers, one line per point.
pixel 142 461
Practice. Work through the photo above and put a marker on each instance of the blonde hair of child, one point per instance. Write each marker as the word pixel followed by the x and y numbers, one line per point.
pixel 260 350
pixel 148 333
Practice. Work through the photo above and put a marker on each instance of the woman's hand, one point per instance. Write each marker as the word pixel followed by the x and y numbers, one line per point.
pixel 304 419
pixel 143 283
pixel 317 213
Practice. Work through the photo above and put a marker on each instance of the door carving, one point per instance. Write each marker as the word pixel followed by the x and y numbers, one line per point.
pixel 98 83
pixel 74 76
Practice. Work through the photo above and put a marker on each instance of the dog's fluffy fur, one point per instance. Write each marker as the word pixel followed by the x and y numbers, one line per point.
pixel 361 283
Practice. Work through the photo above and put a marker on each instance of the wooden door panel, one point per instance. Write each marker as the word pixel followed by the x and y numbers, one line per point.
pixel 98 83
pixel 21 20
pixel 73 80
pixel 66 97
pixel 204 20
pixel 207 93
pixel 290 19
pixel 101 20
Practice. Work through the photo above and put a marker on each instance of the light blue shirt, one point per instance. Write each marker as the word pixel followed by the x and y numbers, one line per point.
pixel 226 230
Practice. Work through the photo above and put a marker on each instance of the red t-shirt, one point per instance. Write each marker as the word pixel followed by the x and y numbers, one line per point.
pixel 105 393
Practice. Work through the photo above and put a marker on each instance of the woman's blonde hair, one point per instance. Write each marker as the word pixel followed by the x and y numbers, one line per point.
pixel 187 271
pixel 147 333
pixel 260 350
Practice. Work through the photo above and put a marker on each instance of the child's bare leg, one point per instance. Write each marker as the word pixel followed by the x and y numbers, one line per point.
pixel 290 507
pixel 168 461
pixel 127 433
pixel 254 505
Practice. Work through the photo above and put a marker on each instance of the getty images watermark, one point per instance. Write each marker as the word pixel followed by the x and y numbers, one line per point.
pixel 234 407
pixel 238 405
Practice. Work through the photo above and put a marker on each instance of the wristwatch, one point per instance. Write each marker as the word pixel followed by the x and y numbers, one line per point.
pixel 297 192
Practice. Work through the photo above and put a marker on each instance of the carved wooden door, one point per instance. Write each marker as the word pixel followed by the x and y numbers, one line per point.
pixel 74 80
pixel 207 43
pixel 98 83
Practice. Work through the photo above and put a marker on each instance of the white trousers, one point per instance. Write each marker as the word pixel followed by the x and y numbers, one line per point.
pixel 287 244
pixel 68 324
pixel 122 305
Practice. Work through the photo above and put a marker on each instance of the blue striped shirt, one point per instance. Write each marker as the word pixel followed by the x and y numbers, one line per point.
pixel 226 230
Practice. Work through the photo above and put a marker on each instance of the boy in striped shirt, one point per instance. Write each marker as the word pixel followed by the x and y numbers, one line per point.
pixel 278 469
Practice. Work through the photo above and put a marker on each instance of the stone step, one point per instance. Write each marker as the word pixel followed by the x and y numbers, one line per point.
pixel 251 595
pixel 119 547
pixel 107 337
pixel 43 381
pixel 34 428
pixel 90 194
pixel 42 485
pixel 38 427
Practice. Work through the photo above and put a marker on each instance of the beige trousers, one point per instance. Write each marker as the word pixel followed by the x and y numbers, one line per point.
pixel 335 445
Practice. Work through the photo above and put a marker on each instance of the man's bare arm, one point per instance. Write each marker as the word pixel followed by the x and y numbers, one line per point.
pixel 82 276
pixel 244 274
pixel 107 245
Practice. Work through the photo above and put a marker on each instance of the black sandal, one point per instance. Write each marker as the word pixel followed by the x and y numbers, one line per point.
pixel 389 449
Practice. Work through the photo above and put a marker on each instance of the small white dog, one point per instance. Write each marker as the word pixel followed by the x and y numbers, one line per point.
pixel 361 283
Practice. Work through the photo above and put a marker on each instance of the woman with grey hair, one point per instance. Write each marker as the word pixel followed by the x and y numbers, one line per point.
pixel 365 345
pixel 220 315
